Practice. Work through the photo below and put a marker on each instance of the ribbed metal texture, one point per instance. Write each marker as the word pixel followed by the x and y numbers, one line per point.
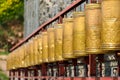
pixel 79 34
pixel 111 24
pixel 68 38
pixel 93 28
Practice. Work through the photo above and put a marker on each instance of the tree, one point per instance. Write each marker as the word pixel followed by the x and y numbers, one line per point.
pixel 11 14
pixel 11 10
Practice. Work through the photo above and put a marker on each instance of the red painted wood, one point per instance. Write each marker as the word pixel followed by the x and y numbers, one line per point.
pixel 108 78
pixel 76 78
pixel 60 78
pixel 76 2
pixel 9 75
pixel 67 78
pixel 61 68
pixel 44 69
pixel 93 1
pixel 91 78
pixel 118 78
pixel 60 19
pixel 92 65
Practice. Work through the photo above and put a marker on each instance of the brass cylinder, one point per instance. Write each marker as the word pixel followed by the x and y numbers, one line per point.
pixel 79 34
pixel 15 62
pixel 31 53
pixel 58 42
pixel 51 45
pixel 44 47
pixel 8 63
pixel 68 38
pixel 111 24
pixel 93 28
pixel 23 56
pixel 40 49
pixel 36 50
pixel 27 55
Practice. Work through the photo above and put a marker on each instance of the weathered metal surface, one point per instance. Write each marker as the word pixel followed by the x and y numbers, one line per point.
pixel 51 44
pixel 68 38
pixel 93 28
pixel 58 42
pixel 111 24
pixel 44 47
pixel 79 34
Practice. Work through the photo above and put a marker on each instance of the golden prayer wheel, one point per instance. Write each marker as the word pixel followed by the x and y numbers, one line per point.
pixel 31 53
pixel 16 59
pixel 58 42
pixel 18 54
pixel 35 50
pixel 9 62
pixel 79 34
pixel 20 60
pixel 12 59
pixel 22 56
pixel 111 24
pixel 68 38
pixel 51 45
pixel 24 59
pixel 93 28
pixel 40 49
pixel 27 55
pixel 14 64
pixel 44 47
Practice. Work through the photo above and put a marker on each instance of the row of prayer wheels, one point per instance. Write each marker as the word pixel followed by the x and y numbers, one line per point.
pixel 95 31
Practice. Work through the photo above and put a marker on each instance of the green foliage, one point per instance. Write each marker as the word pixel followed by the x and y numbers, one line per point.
pixel 4 53
pixel 3 76
pixel 11 10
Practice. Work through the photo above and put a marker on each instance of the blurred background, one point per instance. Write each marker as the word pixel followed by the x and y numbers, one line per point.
pixel 11 29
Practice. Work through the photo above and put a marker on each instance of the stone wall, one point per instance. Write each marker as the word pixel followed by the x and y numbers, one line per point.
pixel 39 11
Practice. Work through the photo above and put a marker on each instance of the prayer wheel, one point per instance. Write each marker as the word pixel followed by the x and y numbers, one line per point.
pixel 40 49
pixel 22 56
pixel 93 28
pixel 31 52
pixel 51 45
pixel 58 42
pixel 26 55
pixel 111 24
pixel 19 57
pixel 44 47
pixel 68 38
pixel 15 60
pixel 79 34
pixel 36 50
